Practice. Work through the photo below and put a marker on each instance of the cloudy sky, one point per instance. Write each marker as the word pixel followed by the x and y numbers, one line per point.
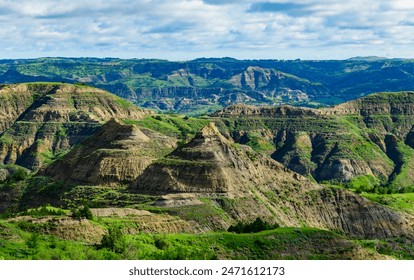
pixel 186 29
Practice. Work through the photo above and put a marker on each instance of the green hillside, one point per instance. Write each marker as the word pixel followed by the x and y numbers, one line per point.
pixel 207 84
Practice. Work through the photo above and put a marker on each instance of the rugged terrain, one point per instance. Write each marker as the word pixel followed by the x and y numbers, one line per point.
pixel 207 84
pixel 246 184
pixel 369 137
pixel 117 153
pixel 82 165
pixel 39 121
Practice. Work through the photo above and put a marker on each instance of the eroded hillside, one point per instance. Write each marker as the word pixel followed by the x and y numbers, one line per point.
pixel 174 174
pixel 42 120
pixel 371 136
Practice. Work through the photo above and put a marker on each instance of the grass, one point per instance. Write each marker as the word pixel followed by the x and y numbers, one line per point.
pixel 259 143
pixel 178 126
pixel 281 243
pixel 397 247
pixel 125 104
pixel 405 178
pixel 401 202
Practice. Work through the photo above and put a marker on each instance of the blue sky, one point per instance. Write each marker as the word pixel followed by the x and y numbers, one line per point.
pixel 187 29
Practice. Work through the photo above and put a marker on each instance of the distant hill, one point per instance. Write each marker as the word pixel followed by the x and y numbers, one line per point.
pixel 207 84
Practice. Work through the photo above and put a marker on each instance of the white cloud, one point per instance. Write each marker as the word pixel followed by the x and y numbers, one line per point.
pixel 185 29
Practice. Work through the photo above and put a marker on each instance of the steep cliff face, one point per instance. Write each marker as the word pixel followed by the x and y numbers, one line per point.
pixel 323 147
pixel 55 117
pixel 385 112
pixel 241 110
pixel 115 154
pixel 246 184
pixel 202 165
pixel 339 143
pixel 276 82
pixel 13 102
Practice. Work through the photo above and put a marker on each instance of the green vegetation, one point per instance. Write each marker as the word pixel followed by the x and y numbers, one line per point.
pixel 363 183
pixel 125 104
pixel 114 240
pixel 403 179
pixel 258 143
pixel 82 212
pixel 207 84
pixel 178 126
pixel 256 226
pixel 402 202
pixel 44 211
pixel 397 248
pixel 282 243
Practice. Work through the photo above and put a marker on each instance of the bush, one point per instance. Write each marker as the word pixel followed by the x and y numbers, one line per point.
pixel 13 173
pixel 43 211
pixel 363 183
pixel 161 243
pixel 256 226
pixel 114 240
pixel 82 212
pixel 19 174
pixel 33 241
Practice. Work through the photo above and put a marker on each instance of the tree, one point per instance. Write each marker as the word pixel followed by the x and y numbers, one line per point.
pixel 114 240
pixel 256 226
pixel 82 212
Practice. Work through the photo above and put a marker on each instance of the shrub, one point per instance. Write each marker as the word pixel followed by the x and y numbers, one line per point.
pixel 43 211
pixel 33 241
pixel 363 183
pixel 19 175
pixel 256 226
pixel 161 243
pixel 82 212
pixel 114 240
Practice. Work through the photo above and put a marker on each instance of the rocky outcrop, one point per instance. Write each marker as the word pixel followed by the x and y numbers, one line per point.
pixel 13 102
pixel 386 112
pixel 116 154
pixel 246 184
pixel 55 117
pixel 339 143
pixel 276 84
pixel 240 110
pixel 209 163
pixel 356 216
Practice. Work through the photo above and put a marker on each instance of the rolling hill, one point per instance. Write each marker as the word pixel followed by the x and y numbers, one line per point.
pixel 207 84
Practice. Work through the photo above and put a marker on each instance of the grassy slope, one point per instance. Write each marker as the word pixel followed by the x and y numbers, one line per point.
pixel 173 125
pixel 402 202
pixel 18 242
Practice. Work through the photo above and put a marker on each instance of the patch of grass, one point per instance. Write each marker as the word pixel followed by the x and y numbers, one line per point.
pixel 404 180
pixel 98 197
pixel 47 157
pixel 125 104
pixel 363 183
pixel 178 126
pixel 259 143
pixel 401 202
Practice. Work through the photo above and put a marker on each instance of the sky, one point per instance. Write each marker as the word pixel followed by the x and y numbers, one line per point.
pixel 188 29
